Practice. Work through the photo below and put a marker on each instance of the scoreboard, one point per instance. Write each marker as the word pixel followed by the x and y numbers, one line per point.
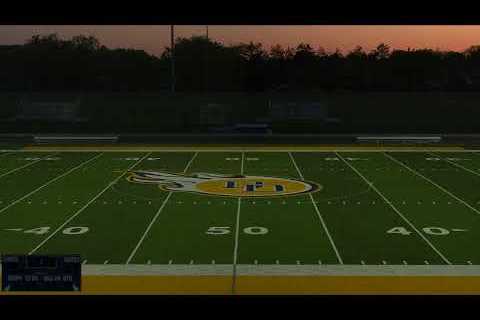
pixel 41 273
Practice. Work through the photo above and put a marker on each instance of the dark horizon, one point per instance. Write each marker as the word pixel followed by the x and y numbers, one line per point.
pixel 154 39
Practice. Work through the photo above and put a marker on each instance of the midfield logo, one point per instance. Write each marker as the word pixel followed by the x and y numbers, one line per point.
pixel 224 185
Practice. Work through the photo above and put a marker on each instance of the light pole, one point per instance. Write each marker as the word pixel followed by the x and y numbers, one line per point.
pixel 172 55
pixel 205 85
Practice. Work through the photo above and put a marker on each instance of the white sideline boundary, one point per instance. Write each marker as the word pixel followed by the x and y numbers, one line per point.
pixel 279 270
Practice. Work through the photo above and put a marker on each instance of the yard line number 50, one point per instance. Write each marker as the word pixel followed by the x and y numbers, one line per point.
pixel 254 230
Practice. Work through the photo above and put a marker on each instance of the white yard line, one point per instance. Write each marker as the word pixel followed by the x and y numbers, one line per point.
pixel 433 183
pixel 26 165
pixel 49 182
pixel 159 211
pixel 237 232
pixel 296 166
pixel 190 162
pixel 455 164
pixel 394 208
pixel 324 225
pixel 87 205
pixel 152 222
pixel 242 163
pixel 5 153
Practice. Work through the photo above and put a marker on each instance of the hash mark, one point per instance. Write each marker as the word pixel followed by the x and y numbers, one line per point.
pixel 469 262
pixel 362 262
pixel 106 262
pixel 255 261
pixel 213 261
pixel 170 261
pixel 426 262
pixel 404 262
pixel 277 262
pixel 384 262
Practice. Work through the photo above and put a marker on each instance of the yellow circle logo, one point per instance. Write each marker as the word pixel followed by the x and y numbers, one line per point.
pixel 222 185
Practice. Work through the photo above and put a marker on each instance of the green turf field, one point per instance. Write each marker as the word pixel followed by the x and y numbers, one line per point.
pixel 224 208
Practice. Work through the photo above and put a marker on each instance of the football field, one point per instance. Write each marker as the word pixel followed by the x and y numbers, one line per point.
pixel 228 210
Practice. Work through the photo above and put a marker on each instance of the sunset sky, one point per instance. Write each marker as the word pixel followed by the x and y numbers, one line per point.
pixel 154 39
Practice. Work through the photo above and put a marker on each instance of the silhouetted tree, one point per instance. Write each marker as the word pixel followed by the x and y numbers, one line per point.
pixel 48 62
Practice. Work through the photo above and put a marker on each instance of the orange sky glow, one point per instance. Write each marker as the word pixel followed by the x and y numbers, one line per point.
pixel 154 39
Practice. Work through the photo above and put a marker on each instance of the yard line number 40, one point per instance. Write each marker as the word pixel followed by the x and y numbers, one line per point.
pixel 434 231
pixel 68 231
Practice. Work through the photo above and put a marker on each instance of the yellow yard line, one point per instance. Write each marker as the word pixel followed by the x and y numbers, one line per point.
pixel 250 147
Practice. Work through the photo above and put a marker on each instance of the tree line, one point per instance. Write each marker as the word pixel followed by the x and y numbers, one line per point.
pixel 82 63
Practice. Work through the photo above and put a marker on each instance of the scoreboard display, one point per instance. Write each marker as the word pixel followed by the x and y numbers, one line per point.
pixel 41 273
